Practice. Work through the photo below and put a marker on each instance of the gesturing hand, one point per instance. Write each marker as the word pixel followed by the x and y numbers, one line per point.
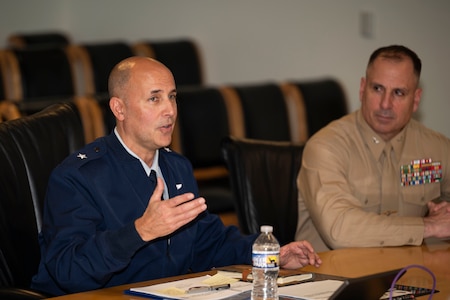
pixel 161 218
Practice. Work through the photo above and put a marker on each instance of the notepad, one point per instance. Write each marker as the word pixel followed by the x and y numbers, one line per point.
pixel 285 277
pixel 179 289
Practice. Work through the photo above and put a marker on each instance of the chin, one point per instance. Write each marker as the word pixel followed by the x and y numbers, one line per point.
pixel 164 144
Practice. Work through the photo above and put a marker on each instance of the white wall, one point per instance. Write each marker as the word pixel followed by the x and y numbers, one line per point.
pixel 245 41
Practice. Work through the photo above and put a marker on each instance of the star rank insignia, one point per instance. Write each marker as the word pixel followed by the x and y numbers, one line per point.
pixel 82 156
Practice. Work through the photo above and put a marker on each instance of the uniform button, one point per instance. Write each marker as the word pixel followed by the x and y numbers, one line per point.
pixel 96 149
pixel 381 243
pixel 366 201
pixel 410 240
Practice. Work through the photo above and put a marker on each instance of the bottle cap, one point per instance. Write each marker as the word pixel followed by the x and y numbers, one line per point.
pixel 266 228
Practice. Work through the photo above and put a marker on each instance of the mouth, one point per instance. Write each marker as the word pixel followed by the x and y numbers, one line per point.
pixel 384 116
pixel 167 128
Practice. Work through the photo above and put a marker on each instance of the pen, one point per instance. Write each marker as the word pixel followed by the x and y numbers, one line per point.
pixel 204 289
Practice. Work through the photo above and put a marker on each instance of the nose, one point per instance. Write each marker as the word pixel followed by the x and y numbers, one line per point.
pixel 386 101
pixel 170 107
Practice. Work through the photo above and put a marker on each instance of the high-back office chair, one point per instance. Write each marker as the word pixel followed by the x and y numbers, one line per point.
pixel 96 60
pixel 203 120
pixel 8 111
pixel 181 56
pixel 89 109
pixel 30 147
pixel 3 74
pixel 324 100
pixel 269 114
pixel 36 73
pixel 263 178
pixel 23 40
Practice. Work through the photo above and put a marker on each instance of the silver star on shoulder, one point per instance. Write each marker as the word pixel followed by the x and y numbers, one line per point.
pixel 82 156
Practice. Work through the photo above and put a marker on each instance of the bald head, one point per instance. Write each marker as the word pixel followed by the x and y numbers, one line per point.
pixel 123 71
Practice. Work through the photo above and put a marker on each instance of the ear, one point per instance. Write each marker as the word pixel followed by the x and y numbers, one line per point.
pixel 362 87
pixel 117 107
pixel 417 97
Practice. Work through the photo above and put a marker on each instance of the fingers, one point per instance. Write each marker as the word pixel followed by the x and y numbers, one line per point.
pixel 159 189
pixel 438 208
pixel 178 200
pixel 315 260
pixel 307 245
pixel 298 254
pixel 162 218
pixel 313 257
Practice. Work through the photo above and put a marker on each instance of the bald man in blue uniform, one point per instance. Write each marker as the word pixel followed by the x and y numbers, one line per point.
pixel 125 208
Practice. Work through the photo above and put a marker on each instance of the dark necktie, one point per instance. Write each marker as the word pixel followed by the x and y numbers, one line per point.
pixel 153 179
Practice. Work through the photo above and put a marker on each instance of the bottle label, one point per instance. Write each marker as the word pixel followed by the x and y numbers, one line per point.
pixel 266 259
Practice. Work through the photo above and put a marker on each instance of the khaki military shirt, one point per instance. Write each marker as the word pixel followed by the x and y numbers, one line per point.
pixel 340 191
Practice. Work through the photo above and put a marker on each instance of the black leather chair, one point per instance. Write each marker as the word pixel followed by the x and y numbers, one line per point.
pixel 30 147
pixel 8 111
pixel 34 73
pixel 263 178
pixel 181 56
pixel 108 118
pixel 265 111
pixel 202 123
pixel 324 100
pixel 97 60
pixel 3 75
pixel 89 109
pixel 22 40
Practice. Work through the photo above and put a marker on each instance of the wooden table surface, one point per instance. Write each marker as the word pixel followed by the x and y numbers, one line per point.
pixel 350 262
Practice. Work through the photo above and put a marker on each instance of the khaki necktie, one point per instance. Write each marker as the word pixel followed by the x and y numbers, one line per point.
pixel 390 182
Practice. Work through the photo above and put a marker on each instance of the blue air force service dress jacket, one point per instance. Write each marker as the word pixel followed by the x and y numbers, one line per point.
pixel 89 241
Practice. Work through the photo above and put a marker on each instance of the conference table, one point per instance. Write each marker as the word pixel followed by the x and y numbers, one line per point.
pixel 434 254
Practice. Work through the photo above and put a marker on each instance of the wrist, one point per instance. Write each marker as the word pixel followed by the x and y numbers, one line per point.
pixel 427 228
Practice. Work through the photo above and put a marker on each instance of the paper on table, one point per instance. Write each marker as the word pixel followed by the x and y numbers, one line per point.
pixel 317 290
pixel 177 289
pixel 297 278
pixel 395 293
pixel 219 279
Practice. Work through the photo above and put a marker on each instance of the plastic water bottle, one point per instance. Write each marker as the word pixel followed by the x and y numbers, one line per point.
pixel 266 258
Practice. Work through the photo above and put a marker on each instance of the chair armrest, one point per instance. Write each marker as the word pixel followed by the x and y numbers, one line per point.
pixel 12 293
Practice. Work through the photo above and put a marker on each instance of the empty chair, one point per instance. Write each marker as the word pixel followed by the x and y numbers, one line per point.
pixel 22 40
pixel 30 147
pixel 39 72
pixel 109 120
pixel 181 56
pixel 88 107
pixel 92 118
pixel 10 85
pixel 95 61
pixel 204 118
pixel 8 111
pixel 3 75
pixel 324 100
pixel 269 114
pixel 263 179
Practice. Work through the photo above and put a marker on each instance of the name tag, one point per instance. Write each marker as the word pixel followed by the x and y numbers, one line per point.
pixel 421 171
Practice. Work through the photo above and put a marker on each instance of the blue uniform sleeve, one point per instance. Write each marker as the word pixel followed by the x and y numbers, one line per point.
pixel 218 245
pixel 78 255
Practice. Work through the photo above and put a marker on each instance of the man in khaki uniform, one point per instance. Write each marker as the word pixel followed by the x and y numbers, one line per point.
pixel 376 177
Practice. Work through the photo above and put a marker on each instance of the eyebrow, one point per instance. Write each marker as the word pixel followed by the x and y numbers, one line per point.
pixel 159 91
